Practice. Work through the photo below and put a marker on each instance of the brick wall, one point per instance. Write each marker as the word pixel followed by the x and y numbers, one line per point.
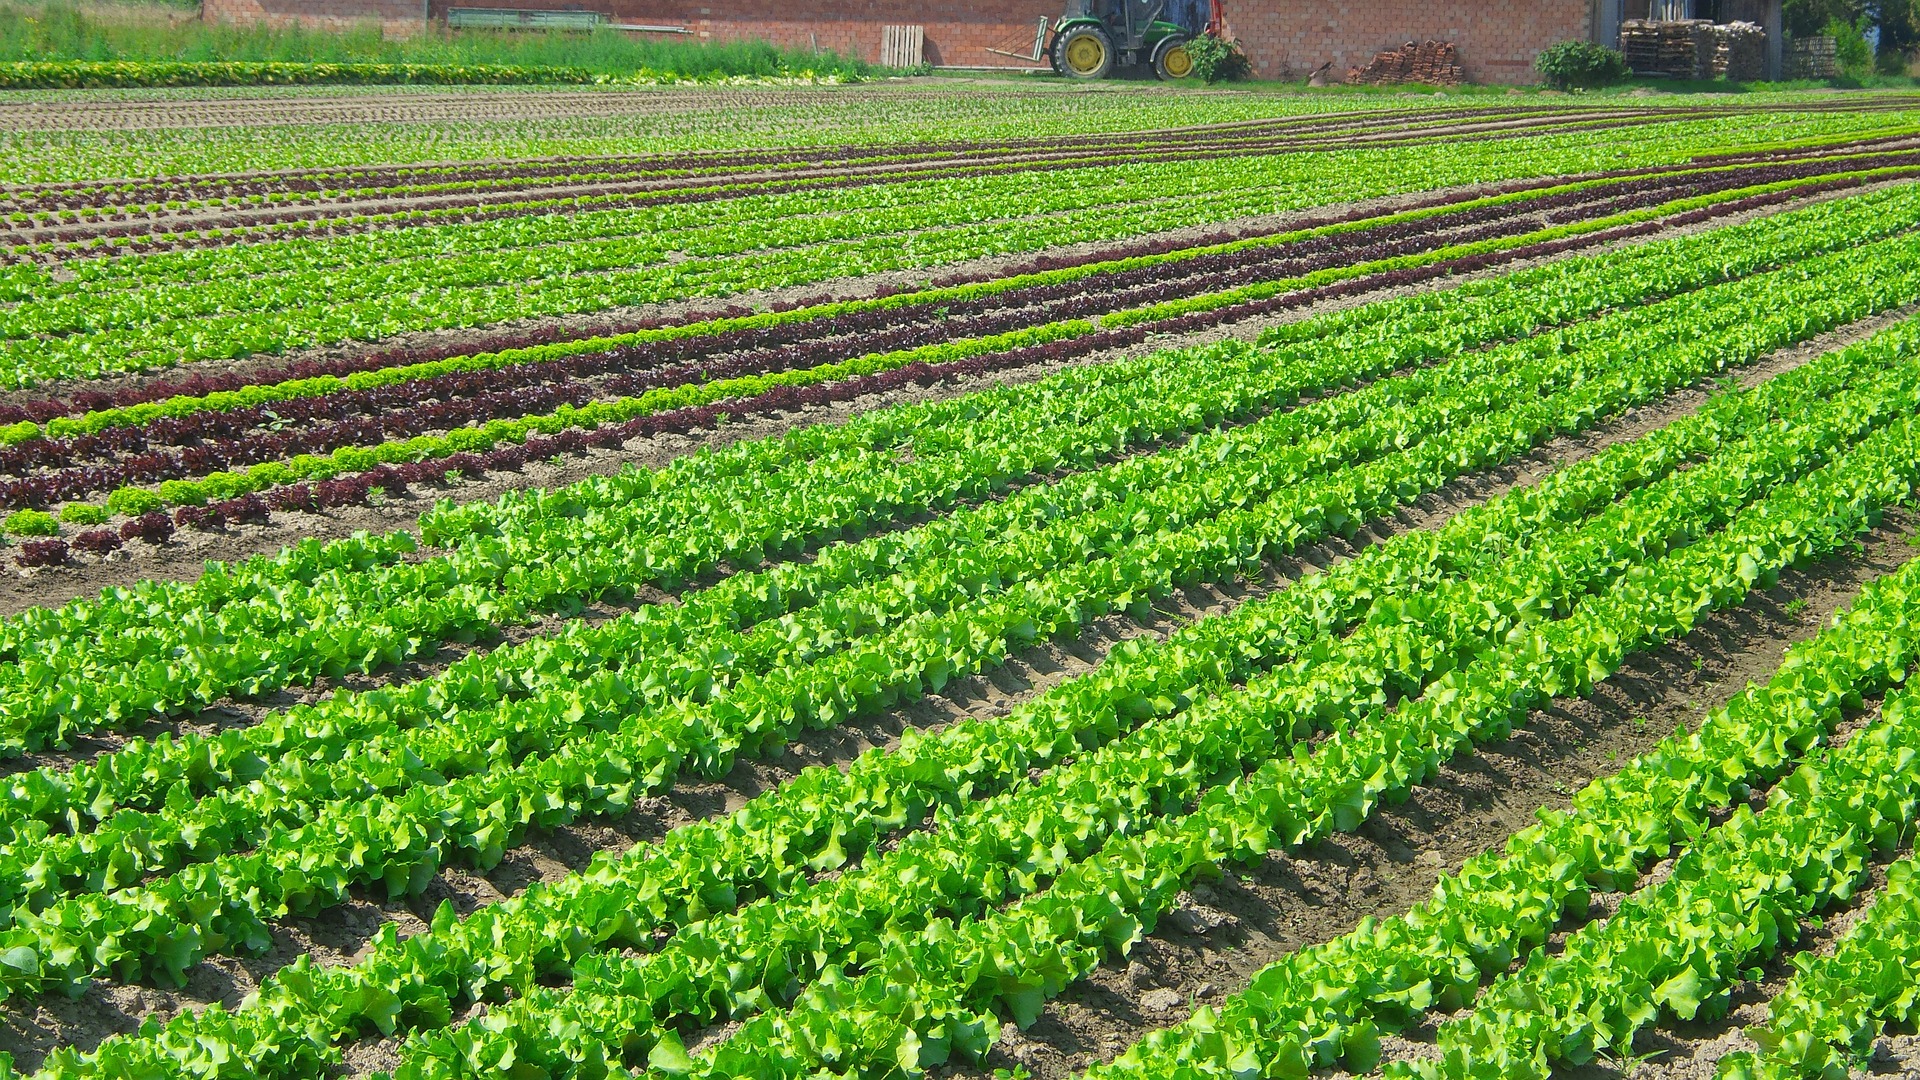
pixel 1498 39
pixel 958 32
pixel 397 18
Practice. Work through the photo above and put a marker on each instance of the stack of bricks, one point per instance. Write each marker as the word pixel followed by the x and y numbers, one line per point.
pixel 396 18
pixel 1434 63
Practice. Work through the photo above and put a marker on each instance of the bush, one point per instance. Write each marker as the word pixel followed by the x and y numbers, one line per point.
pixel 1851 51
pixel 31 523
pixel 1217 60
pixel 83 514
pixel 131 74
pixel 1581 65
pixel 61 43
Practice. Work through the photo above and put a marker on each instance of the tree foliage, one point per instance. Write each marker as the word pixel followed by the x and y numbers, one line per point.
pixel 1897 20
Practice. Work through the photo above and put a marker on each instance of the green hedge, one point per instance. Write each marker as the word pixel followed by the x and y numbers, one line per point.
pixel 128 74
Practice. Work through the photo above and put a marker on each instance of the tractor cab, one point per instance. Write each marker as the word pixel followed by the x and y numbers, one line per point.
pixel 1095 36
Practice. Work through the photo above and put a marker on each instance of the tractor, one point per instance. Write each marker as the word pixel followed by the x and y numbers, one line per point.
pixel 1095 36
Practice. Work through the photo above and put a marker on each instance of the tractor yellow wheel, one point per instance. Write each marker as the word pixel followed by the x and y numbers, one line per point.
pixel 1086 53
pixel 1174 62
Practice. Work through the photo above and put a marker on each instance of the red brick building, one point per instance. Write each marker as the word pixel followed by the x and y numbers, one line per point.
pixel 1497 39
pixel 397 17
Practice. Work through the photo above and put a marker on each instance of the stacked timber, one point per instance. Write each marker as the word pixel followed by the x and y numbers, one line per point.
pixel 1695 49
pixel 1435 63
pixel 1812 58
pixel 1739 52
pixel 1669 47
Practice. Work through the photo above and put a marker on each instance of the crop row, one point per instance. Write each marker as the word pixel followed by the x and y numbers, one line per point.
pixel 116 660
pixel 1337 687
pixel 735 326
pixel 684 357
pixel 509 441
pixel 1735 896
pixel 223 441
pixel 1824 1022
pixel 231 186
pixel 894 1006
pixel 415 210
pixel 215 192
pixel 741 322
pixel 236 301
pixel 695 230
pixel 1035 536
pixel 401 982
pixel 140 773
pixel 403 840
pixel 728 328
pixel 1501 904
pixel 911 320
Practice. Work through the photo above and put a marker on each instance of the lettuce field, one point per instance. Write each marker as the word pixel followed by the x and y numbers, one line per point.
pixel 958 579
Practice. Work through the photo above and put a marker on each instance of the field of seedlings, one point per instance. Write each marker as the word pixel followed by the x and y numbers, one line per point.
pixel 958 579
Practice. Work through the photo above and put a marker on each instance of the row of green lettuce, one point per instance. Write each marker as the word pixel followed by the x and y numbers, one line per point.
pixel 1501 905
pixel 1103 803
pixel 1608 388
pixel 1050 585
pixel 130 312
pixel 254 626
pixel 480 438
pixel 844 588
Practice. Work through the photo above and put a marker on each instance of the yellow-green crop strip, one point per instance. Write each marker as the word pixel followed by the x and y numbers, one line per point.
pixel 225 485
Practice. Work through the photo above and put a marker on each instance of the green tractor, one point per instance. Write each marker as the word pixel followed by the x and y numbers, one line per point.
pixel 1095 36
